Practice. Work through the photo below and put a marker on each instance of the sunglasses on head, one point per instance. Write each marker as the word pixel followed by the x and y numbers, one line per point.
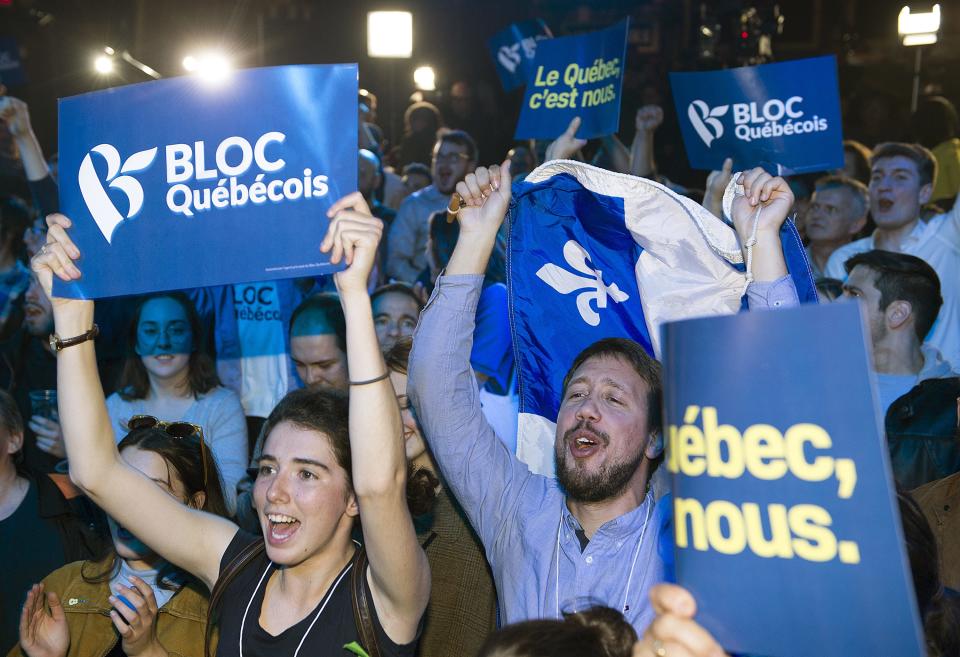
pixel 176 429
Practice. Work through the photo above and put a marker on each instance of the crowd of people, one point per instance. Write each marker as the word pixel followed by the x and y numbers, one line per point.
pixel 328 465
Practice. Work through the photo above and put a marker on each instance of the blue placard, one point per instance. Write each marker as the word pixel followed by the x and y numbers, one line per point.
pixel 513 50
pixel 787 528
pixel 784 117
pixel 11 66
pixel 575 76
pixel 179 183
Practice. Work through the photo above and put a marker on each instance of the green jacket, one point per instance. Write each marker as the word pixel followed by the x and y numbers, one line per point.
pixel 180 623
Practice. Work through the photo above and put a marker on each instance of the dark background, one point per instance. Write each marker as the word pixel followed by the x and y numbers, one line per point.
pixel 58 40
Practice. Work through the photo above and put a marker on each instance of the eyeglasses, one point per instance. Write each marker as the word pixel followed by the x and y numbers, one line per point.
pixel 177 429
pixel 450 158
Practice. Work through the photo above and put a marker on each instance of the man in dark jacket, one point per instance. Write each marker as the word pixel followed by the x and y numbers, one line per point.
pixel 918 389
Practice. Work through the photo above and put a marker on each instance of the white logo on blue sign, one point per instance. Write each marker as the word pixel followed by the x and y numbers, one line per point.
pixel 101 207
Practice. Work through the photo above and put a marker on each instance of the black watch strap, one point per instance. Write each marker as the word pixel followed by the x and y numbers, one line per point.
pixel 58 344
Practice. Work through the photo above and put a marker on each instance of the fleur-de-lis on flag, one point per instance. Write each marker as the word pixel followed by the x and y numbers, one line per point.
pixel 565 282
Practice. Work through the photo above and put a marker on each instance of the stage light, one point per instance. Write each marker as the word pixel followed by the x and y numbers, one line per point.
pixel 103 64
pixel 919 39
pixel 425 78
pixel 925 24
pixel 212 66
pixel 390 34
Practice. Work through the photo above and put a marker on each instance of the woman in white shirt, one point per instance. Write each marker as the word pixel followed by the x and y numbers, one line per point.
pixel 167 375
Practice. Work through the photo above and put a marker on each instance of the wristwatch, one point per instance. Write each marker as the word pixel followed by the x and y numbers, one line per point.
pixel 57 344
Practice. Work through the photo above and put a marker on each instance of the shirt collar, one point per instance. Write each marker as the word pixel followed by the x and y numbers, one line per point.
pixel 620 527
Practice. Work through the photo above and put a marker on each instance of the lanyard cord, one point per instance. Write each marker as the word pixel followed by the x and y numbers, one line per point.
pixel 636 553
pixel 315 618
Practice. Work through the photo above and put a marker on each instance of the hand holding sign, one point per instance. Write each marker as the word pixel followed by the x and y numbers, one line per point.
pixel 353 235
pixel 674 632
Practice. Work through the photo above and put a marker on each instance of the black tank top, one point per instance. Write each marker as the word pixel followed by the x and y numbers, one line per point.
pixel 319 634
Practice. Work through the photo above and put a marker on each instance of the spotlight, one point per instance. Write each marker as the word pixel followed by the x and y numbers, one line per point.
pixel 390 34
pixel 425 78
pixel 103 64
pixel 213 67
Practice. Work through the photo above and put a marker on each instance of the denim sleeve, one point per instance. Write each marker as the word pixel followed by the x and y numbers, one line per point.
pixel 480 470
pixel 781 293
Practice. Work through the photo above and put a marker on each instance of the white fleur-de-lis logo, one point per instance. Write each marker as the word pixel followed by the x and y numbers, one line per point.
pixel 566 282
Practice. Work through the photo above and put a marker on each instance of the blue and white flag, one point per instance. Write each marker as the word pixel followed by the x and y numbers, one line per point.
pixel 596 254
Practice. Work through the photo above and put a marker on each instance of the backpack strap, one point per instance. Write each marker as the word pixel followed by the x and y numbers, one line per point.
pixel 362 615
pixel 229 573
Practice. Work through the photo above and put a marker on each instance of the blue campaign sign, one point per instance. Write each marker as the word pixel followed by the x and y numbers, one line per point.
pixel 574 76
pixel 784 117
pixel 11 67
pixel 179 183
pixel 787 528
pixel 513 50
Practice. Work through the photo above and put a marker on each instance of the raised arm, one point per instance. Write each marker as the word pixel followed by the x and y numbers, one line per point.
pixel 15 114
pixel 399 573
pixel 486 478
pixel 191 539
pixel 771 286
pixel 649 118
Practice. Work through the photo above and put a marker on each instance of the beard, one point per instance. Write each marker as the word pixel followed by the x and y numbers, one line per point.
pixel 604 484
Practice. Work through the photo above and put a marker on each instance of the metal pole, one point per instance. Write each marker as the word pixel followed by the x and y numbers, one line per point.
pixel 916 80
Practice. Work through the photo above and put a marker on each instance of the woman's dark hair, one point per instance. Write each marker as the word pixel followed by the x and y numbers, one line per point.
pixel 201 370
pixel 324 411
pixel 940 615
pixel 421 483
pixel 829 288
pixel 186 458
pixel 12 422
pixel 598 632
pixel 443 238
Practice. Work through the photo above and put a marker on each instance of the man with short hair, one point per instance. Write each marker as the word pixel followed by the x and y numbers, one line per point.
pixel 837 212
pixel 596 531
pixel 454 156
pixel 318 343
pixel 918 389
pixel 901 183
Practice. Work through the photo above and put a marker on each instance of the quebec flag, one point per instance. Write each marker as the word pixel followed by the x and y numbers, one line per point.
pixel 594 254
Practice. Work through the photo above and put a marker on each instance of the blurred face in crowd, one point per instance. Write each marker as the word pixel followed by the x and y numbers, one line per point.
pixel 155 468
pixel 834 215
pixel 164 338
pixel 414 444
pixel 602 430
pixel 451 164
pixel 302 494
pixel 861 284
pixel 896 193
pixel 368 174
pixel 319 361
pixel 394 316
pixel 461 99
pixel 413 182
pixel 37 311
pixel 521 160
